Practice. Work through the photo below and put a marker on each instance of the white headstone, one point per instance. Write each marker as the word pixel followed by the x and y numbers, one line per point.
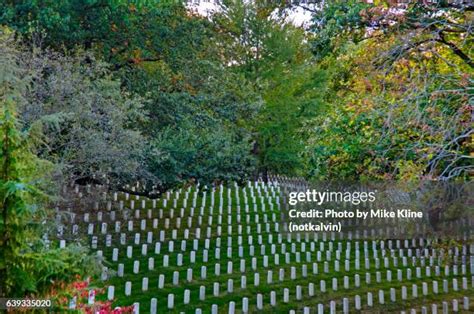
pixel 170 301
pixel 128 288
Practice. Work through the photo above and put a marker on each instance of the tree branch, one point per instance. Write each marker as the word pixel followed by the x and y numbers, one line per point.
pixel 455 49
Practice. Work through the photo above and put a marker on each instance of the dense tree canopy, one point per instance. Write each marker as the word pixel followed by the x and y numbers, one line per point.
pixel 399 101
pixel 27 262
pixel 171 60
pixel 175 88
pixel 276 58
pixel 89 126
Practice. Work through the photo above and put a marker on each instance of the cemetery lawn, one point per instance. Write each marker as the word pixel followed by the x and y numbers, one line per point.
pixel 258 223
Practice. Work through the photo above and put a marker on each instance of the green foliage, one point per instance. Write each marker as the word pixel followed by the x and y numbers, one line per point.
pixel 397 102
pixel 274 56
pixel 88 125
pixel 190 89
pixel 67 23
pixel 157 50
pixel 291 101
pixel 123 32
pixel 27 263
pixel 204 154
pixel 337 22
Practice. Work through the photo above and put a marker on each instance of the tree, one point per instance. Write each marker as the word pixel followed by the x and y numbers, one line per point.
pixel 273 55
pixel 158 51
pixel 28 263
pixel 68 23
pixel 191 91
pixel 89 126
pixel 209 154
pixel 402 110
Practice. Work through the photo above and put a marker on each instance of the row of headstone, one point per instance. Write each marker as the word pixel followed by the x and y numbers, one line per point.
pixel 346 306
pixel 177 194
pixel 321 251
pixel 375 252
pixel 416 290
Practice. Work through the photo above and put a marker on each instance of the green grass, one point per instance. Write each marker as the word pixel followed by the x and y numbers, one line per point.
pixel 251 291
